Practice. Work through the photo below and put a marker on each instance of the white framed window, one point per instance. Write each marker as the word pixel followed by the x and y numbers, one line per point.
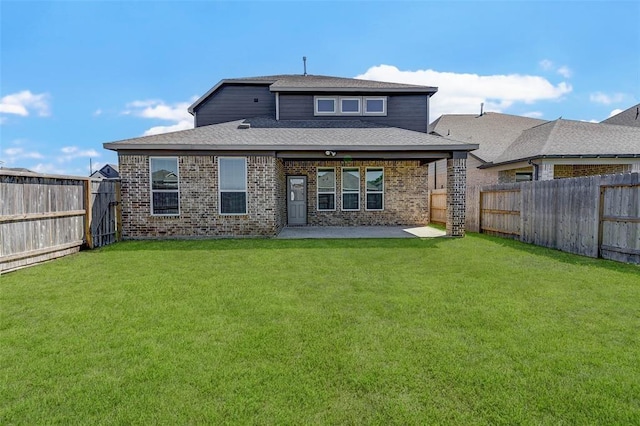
pixel 326 188
pixel 350 106
pixel 375 188
pixel 350 188
pixel 164 181
pixel 232 185
pixel 324 105
pixel 375 106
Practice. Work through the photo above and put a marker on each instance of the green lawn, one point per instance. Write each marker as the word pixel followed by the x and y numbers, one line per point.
pixel 477 330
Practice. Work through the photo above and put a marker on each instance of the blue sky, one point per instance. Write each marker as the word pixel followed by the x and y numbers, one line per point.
pixel 77 74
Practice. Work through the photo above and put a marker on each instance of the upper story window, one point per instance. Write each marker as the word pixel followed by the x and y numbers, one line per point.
pixel 375 106
pixel 325 106
pixel 164 186
pixel 350 105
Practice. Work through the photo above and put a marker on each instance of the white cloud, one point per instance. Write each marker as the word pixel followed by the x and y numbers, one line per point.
pixel 533 114
pixel 462 93
pixel 73 152
pixel 11 156
pixel 47 168
pixel 97 112
pixel 22 103
pixel 603 98
pixel 176 114
pixel 565 71
pixel 615 112
pixel 546 64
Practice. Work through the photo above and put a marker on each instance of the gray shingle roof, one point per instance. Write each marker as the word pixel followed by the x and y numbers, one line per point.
pixel 572 139
pixel 628 117
pixel 266 134
pixel 318 84
pixel 494 132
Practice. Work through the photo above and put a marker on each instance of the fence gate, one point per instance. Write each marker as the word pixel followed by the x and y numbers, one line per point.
pixel 438 206
pixel 619 222
pixel 105 220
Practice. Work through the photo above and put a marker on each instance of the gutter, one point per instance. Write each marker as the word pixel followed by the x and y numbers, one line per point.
pixel 542 157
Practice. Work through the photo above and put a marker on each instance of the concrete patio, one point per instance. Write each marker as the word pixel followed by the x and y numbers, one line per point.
pixel 359 232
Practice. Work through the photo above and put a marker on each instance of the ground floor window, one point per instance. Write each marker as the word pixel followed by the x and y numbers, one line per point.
pixel 350 188
pixel 375 188
pixel 163 172
pixel 524 176
pixel 232 183
pixel 326 189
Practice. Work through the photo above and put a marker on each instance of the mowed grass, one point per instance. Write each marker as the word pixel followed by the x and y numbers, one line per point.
pixel 477 330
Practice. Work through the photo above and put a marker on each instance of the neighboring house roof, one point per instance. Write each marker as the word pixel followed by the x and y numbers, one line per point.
pixel 569 138
pixel 494 132
pixel 17 169
pixel 628 117
pixel 264 134
pixel 108 171
pixel 318 84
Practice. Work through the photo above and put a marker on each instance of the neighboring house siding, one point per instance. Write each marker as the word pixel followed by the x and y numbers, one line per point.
pixel 476 176
pixel 198 185
pixel 404 111
pixel 234 103
pixel 405 194
pixel 577 170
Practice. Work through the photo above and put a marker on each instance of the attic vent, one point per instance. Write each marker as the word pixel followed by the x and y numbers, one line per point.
pixel 244 126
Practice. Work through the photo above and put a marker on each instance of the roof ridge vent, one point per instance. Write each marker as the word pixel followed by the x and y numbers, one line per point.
pixel 244 125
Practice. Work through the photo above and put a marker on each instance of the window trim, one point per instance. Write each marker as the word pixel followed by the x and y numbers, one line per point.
pixel 318 169
pixel 342 192
pixel 325 98
pixel 152 191
pixel 367 191
pixel 246 188
pixel 373 98
pixel 351 98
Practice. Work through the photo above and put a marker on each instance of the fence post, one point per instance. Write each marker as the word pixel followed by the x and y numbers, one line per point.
pixel 600 221
pixel 87 218
pixel 118 213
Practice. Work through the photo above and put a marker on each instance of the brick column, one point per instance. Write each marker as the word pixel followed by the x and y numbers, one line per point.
pixel 456 193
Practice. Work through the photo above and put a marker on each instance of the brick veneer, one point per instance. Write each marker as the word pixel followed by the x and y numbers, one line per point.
pixel 405 193
pixel 199 217
pixel 405 197
pixel 578 170
pixel 456 196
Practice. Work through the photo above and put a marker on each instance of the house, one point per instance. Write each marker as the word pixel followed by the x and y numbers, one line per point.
pixel 492 131
pixel 568 148
pixel 108 171
pixel 290 150
pixel 514 149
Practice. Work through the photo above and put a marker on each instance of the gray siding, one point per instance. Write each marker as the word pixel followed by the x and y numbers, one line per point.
pixel 404 111
pixel 234 103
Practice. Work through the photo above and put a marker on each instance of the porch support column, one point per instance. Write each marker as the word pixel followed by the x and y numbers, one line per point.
pixel 456 193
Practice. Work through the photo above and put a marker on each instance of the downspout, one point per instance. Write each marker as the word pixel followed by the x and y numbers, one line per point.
pixel 536 168
pixel 277 106
pixel 428 97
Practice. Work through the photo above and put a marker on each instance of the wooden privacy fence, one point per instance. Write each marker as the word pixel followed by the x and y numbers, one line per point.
pixel 438 205
pixel 596 216
pixel 43 217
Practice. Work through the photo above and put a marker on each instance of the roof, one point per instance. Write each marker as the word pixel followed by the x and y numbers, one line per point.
pixel 265 134
pixel 318 84
pixel 493 131
pixel 569 138
pixel 628 117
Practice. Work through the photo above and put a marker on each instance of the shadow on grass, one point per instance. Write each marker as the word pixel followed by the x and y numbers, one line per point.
pixel 277 244
pixel 558 255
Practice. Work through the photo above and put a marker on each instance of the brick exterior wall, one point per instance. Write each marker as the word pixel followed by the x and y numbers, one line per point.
pixel 578 170
pixel 405 193
pixel 199 217
pixel 456 196
pixel 509 176
pixel 405 197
